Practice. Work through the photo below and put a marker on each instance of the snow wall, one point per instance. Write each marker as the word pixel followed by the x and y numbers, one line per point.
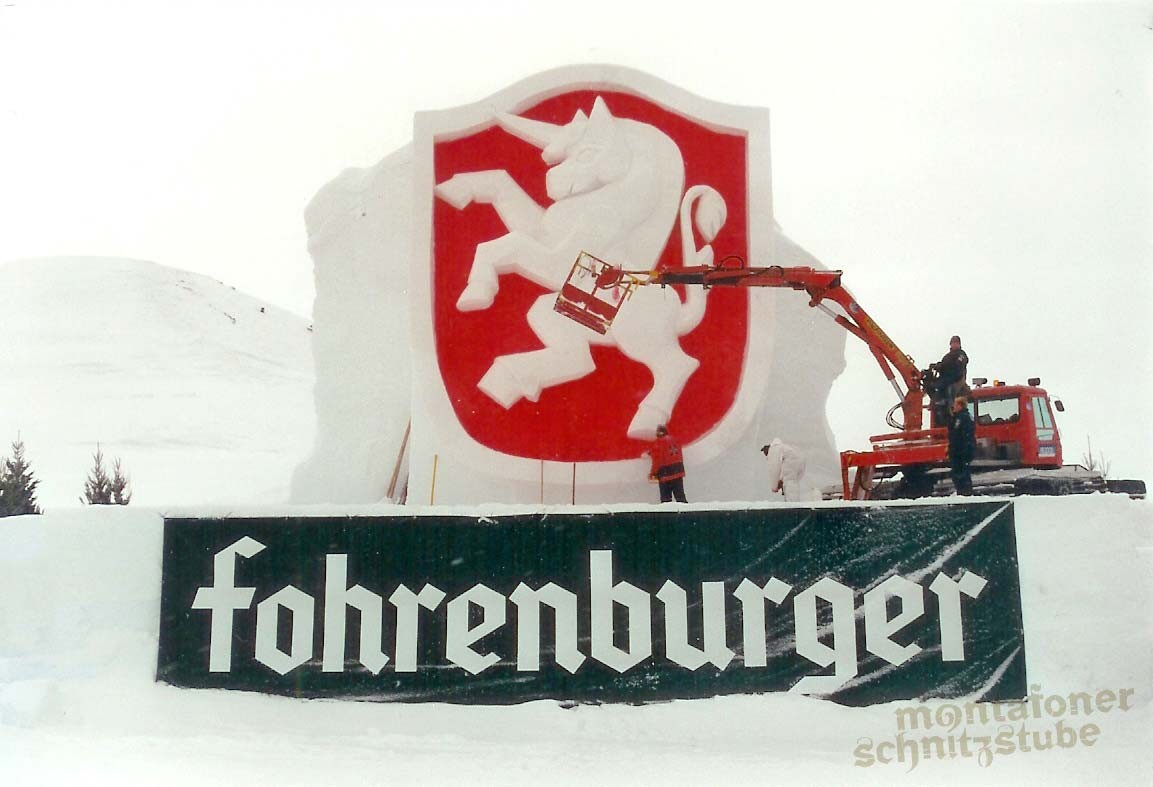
pixel 436 271
pixel 79 618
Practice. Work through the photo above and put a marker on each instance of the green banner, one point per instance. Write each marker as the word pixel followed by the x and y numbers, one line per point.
pixel 857 604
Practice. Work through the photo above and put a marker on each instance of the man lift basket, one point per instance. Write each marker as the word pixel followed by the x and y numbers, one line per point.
pixel 594 292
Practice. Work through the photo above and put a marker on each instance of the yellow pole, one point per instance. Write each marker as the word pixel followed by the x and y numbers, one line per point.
pixel 432 489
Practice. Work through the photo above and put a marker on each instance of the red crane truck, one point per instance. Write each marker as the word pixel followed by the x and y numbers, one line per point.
pixel 1018 444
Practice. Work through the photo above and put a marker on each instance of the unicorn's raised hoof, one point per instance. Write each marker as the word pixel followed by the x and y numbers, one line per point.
pixel 476 296
pixel 455 192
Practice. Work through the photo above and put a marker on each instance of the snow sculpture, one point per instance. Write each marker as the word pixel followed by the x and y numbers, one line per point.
pixel 414 317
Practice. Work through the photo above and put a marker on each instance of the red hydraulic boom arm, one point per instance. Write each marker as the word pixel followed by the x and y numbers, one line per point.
pixel 820 285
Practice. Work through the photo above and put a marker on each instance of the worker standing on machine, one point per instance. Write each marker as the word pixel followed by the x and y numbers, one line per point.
pixel 950 380
pixel 668 468
pixel 962 446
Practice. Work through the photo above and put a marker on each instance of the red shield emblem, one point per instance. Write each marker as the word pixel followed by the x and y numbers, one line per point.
pixel 515 202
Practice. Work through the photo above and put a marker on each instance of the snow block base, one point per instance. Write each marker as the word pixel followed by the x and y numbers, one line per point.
pixel 861 605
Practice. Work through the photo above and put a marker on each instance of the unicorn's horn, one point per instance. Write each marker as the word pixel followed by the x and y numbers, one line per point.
pixel 534 132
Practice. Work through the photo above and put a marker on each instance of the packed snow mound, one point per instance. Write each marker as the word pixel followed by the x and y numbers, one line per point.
pixel 203 392
pixel 79 618
pixel 359 228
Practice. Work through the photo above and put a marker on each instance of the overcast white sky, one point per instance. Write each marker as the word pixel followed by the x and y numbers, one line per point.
pixel 975 169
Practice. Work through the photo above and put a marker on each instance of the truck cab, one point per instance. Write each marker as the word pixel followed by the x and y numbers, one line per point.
pixel 1016 435
pixel 1015 426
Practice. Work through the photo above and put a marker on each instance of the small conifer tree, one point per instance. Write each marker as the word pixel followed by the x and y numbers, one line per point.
pixel 100 490
pixel 121 491
pixel 17 485
pixel 1096 463
pixel 98 487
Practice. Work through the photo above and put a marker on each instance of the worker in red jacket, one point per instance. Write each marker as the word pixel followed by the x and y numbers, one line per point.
pixel 668 468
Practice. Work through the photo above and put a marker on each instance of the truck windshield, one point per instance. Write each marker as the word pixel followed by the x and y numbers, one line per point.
pixel 1041 408
pixel 1003 410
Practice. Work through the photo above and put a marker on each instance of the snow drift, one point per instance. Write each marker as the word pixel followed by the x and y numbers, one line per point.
pixel 79 601
pixel 203 392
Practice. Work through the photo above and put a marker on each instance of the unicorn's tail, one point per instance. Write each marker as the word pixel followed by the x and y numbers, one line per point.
pixel 704 208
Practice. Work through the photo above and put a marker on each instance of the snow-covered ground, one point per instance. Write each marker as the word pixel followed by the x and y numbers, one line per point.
pixel 79 611
pixel 203 392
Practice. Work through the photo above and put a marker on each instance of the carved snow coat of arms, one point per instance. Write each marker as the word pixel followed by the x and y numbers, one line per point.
pixel 508 193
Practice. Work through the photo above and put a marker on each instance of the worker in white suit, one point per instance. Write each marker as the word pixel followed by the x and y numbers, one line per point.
pixel 786 471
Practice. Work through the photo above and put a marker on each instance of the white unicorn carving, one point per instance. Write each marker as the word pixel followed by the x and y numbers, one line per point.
pixel 616 186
